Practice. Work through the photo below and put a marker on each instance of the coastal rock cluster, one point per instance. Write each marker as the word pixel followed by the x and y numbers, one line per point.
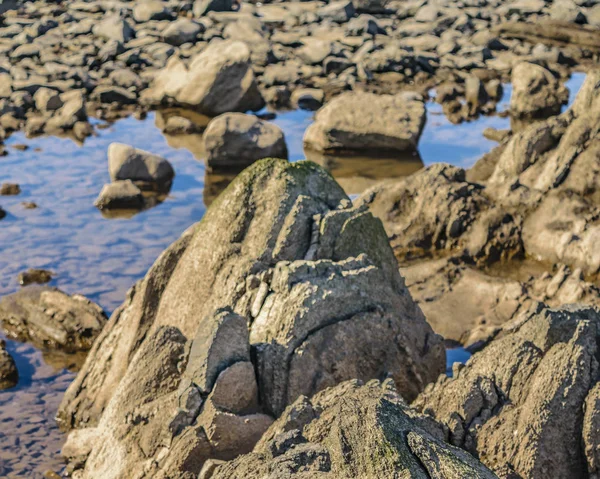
pixel 64 62
pixel 282 290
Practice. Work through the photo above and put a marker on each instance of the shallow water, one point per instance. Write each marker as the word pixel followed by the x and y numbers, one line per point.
pixel 101 257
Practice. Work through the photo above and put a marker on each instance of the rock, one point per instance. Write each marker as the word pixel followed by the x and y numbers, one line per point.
pixel 368 122
pixel 2 213
pixel 113 27
pixel 339 11
pixel 301 267
pixel 519 404
pixel 50 317
pixel 236 140
pixel 9 189
pixel 181 31
pixel 128 163
pixel 218 80
pixel 308 98
pixel 370 6
pixel 39 276
pixel 121 194
pixel 113 94
pixel 146 10
pixel 202 7
pixel 47 100
pixel 536 93
pixel 366 420
pixel 9 376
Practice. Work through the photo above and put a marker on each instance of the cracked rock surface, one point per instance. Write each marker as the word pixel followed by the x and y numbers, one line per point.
pixel 352 430
pixel 527 405
pixel 282 290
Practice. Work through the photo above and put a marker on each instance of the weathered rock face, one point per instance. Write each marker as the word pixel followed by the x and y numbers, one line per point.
pixel 217 80
pixel 236 140
pixel 527 404
pixel 139 166
pixel 283 289
pixel 9 376
pixel 50 317
pixel 358 121
pixel 536 92
pixel 352 431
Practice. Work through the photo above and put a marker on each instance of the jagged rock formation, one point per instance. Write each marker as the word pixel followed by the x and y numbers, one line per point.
pixel 527 405
pixel 49 317
pixel 352 431
pixel 283 289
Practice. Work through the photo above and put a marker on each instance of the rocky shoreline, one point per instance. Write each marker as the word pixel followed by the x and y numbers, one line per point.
pixel 297 331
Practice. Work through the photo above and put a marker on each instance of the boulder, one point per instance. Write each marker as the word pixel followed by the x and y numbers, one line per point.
pixel 128 163
pixel 181 31
pixel 283 289
pixel 357 121
pixel 49 317
pixel 236 140
pixel 352 430
pixel 217 80
pixel 536 92
pixel 121 194
pixel 527 404
pixel 9 376
pixel 47 100
pixel 113 27
pixel 146 10
pixel 202 7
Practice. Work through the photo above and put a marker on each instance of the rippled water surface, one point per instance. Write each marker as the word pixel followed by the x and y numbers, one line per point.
pixel 102 257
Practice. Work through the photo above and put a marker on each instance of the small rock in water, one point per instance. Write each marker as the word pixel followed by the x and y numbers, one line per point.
pixel 120 195
pixel 9 376
pixel 128 163
pixel 10 189
pixel 29 205
pixel 2 213
pixel 20 147
pixel 32 275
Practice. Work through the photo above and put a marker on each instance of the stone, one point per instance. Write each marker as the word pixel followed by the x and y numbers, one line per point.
pixel 181 31
pixel 367 122
pixel 218 80
pixel 122 194
pixel 308 98
pixel 113 94
pixel 10 189
pixel 519 404
pixel 229 327
pixel 371 420
pixel 536 93
pixel 202 7
pixel 128 163
pixel 47 100
pixel 339 11
pixel 32 275
pixel 51 318
pixel 146 10
pixel 113 27
pixel 236 140
pixel 9 375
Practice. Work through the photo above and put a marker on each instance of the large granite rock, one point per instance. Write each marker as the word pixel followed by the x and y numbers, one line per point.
pixel 352 431
pixel 49 317
pixel 536 92
pixel 217 80
pixel 236 140
pixel 357 121
pixel 283 289
pixel 527 405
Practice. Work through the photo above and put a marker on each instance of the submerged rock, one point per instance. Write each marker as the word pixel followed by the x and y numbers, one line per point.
pixel 121 194
pixel 367 122
pixel 143 168
pixel 9 375
pixel 34 275
pixel 217 80
pixel 236 140
pixel 240 309
pixel 352 430
pixel 50 317
pixel 527 404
